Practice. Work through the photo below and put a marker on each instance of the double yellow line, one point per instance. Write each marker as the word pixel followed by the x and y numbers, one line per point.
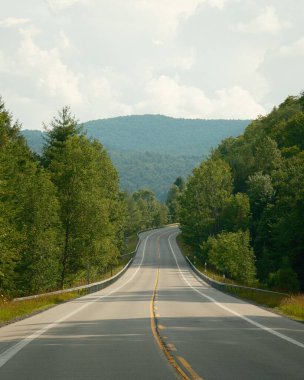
pixel 155 330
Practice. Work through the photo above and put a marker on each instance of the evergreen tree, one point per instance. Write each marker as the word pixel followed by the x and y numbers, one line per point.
pixel 28 218
pixel 91 208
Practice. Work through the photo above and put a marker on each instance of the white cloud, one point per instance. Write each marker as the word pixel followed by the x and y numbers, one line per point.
pixel 181 61
pixel 102 99
pixel 267 21
pixel 47 69
pixel 236 103
pixel 59 5
pixel 11 22
pixel 168 96
pixel 293 50
pixel 178 57
pixel 167 13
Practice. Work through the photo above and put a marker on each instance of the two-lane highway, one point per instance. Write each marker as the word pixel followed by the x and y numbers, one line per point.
pixel 212 335
pixel 112 334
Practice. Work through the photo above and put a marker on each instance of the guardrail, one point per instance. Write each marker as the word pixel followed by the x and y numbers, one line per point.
pixel 228 288
pixel 96 286
pixel 83 289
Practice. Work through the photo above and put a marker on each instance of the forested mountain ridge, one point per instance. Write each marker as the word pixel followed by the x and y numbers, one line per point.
pixel 163 134
pixel 243 208
pixel 150 151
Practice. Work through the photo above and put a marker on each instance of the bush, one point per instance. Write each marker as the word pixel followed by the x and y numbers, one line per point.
pixel 231 254
pixel 284 280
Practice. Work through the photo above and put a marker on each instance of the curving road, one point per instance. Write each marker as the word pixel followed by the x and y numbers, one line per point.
pixel 158 321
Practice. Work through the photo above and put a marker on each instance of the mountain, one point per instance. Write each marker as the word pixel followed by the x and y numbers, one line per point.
pixel 152 150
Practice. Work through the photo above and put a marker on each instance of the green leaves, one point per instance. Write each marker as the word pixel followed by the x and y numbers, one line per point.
pixel 204 200
pixel 267 167
pixel 88 194
pixel 230 253
pixel 60 221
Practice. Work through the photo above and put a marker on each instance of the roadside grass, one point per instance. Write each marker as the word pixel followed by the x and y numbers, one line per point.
pixel 271 300
pixel 11 311
pixel 291 306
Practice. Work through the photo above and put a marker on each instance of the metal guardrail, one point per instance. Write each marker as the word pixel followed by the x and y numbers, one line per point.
pixel 96 286
pixel 225 287
pixel 86 289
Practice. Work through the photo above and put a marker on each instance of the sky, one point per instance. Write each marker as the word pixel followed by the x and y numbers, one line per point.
pixel 207 59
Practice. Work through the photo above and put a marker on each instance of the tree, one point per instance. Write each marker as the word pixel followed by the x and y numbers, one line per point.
pixel 92 211
pixel 260 192
pixel 231 254
pixel 236 213
pixel 59 130
pixel 153 213
pixel 204 199
pixel 173 199
pixel 29 216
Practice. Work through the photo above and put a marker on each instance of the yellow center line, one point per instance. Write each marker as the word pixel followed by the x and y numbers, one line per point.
pixel 186 365
pixel 155 326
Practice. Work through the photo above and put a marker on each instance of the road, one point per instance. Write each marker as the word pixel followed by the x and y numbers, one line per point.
pixel 158 321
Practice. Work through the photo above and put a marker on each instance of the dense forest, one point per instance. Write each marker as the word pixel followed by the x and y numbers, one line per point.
pixel 150 151
pixel 63 218
pixel 243 208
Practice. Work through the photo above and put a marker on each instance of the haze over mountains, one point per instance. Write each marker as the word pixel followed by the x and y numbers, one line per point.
pixel 152 150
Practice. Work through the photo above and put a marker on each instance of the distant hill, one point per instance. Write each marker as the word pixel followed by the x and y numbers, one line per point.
pixel 152 150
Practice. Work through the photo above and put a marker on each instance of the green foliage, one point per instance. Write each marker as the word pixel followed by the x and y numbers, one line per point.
pixel 150 151
pixel 91 210
pixel 28 219
pixel 155 171
pixel 260 192
pixel 267 171
pixel 173 199
pixel 144 211
pixel 61 220
pixel 236 213
pixel 267 163
pixel 284 280
pixel 204 199
pixel 59 130
pixel 231 254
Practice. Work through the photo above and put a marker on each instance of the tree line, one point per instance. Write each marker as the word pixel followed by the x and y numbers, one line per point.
pixel 63 218
pixel 242 209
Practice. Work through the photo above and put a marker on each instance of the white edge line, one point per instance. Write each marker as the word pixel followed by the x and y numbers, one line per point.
pixel 13 350
pixel 268 329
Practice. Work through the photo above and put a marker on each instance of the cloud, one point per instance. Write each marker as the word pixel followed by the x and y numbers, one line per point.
pixel 60 5
pixel 296 49
pixel 47 69
pixel 167 13
pixel 181 58
pixel 236 103
pixel 166 95
pixel 266 22
pixel 12 22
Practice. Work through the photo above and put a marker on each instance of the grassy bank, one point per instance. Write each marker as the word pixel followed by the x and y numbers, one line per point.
pixel 292 307
pixel 11 311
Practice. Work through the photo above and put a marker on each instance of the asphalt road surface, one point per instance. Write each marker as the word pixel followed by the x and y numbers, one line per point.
pixel 158 321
